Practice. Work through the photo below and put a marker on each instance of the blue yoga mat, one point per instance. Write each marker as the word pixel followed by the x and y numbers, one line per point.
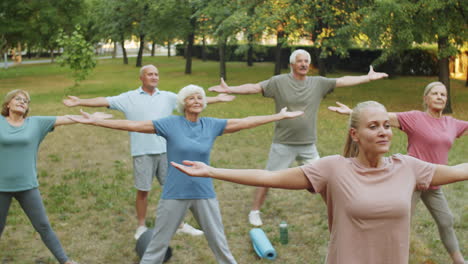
pixel 261 244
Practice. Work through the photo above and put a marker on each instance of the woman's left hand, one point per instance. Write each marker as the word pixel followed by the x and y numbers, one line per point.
pixel 284 112
pixel 222 97
pixel 87 118
pixel 193 168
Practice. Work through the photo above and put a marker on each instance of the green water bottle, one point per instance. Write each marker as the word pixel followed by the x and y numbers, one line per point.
pixel 283 227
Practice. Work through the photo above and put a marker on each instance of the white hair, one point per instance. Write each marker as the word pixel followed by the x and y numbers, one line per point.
pixel 142 69
pixel 292 58
pixel 186 92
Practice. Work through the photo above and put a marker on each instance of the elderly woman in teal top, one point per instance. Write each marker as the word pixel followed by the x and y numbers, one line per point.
pixel 20 137
pixel 188 137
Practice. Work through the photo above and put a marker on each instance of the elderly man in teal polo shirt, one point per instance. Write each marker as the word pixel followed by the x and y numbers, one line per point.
pixel 148 150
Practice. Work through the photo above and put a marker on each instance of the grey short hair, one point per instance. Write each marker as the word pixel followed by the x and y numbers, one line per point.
pixel 186 92
pixel 142 69
pixel 428 89
pixel 292 58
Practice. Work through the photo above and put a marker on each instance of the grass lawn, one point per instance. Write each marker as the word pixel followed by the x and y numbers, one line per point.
pixel 86 180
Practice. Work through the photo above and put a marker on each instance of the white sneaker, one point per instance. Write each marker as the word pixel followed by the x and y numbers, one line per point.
pixel 254 218
pixel 140 230
pixel 188 229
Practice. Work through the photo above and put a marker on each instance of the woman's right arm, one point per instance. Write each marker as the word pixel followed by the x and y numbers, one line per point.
pixel 126 125
pixel 293 178
pixel 345 110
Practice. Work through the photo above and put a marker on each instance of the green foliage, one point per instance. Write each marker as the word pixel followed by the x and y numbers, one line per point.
pixel 416 61
pixel 77 54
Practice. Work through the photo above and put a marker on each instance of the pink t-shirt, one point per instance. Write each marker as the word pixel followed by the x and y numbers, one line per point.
pixel 430 138
pixel 368 208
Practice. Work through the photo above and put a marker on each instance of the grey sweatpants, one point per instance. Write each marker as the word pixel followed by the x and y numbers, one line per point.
pixel 31 202
pixel 437 205
pixel 170 214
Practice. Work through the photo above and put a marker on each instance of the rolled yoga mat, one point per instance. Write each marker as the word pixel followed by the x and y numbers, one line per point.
pixel 261 244
pixel 144 240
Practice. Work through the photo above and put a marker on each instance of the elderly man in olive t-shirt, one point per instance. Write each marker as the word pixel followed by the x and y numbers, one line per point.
pixel 294 139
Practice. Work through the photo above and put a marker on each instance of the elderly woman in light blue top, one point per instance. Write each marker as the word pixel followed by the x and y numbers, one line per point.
pixel 188 137
pixel 20 137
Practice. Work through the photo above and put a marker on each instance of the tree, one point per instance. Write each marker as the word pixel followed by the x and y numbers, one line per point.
pixel 323 21
pixel 77 54
pixel 396 25
pixel 114 21
pixel 14 18
pixel 280 18
pixel 223 20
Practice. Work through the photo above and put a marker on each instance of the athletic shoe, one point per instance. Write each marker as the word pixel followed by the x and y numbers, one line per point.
pixel 140 230
pixel 254 218
pixel 188 229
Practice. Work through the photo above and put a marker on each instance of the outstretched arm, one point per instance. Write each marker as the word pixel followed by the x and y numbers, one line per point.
pixel 93 102
pixel 355 80
pixel 293 178
pixel 222 97
pixel 234 125
pixel 450 174
pixel 345 110
pixel 126 125
pixel 249 88
pixel 66 120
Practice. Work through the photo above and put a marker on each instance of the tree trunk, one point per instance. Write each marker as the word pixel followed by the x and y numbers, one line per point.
pixel 124 51
pixel 466 83
pixel 168 48
pixel 203 51
pixel 139 61
pixel 321 63
pixel 279 44
pixel 444 74
pixel 38 53
pixel 52 59
pixel 250 50
pixel 188 54
pixel 5 57
pixel 114 50
pixel 153 48
pixel 222 59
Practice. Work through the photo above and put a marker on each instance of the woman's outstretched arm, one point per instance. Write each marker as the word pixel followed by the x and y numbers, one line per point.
pixel 126 125
pixel 345 110
pixel 450 174
pixel 293 178
pixel 66 120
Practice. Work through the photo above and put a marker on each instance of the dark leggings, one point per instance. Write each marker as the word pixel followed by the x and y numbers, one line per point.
pixel 32 205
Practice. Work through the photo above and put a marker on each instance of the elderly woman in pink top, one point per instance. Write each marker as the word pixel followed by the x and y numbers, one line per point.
pixel 430 137
pixel 368 195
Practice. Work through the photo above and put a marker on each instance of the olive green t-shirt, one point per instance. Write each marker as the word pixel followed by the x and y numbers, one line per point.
pixel 18 152
pixel 297 95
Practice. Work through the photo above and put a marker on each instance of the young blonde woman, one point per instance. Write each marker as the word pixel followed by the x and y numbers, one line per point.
pixel 430 137
pixel 20 137
pixel 368 195
pixel 188 137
